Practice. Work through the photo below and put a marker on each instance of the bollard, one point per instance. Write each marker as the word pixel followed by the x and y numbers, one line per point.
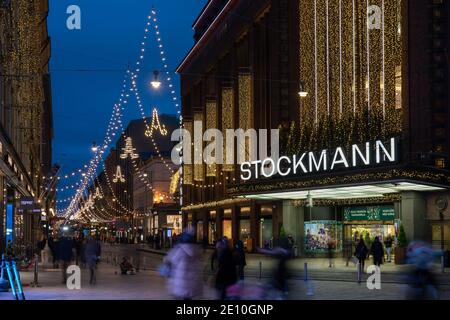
pixel 260 270
pixel 306 271
pixel 359 272
pixel 35 282
pixel 443 263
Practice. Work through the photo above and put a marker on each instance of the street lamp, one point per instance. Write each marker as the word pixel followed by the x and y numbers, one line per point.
pixel 94 147
pixel 156 84
pixel 302 92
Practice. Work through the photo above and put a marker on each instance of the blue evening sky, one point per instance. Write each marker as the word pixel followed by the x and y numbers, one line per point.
pixel 88 65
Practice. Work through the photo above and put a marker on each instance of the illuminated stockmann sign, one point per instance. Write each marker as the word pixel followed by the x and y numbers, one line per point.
pixel 357 156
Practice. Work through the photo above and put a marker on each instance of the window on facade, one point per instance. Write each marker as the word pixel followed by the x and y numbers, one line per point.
pixel 436 236
pixel 440 163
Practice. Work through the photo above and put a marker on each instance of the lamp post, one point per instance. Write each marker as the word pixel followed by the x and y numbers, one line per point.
pixel 441 204
pixel 156 83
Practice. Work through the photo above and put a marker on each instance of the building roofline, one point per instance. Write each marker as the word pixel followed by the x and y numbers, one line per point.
pixel 205 35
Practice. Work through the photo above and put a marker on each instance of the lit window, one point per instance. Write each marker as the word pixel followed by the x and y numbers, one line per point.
pixel 440 163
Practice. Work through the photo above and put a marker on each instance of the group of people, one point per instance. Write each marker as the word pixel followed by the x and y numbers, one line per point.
pixel 376 249
pixel 66 249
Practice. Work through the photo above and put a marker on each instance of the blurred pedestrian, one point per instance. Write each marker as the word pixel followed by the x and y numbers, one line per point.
pixel 423 284
pixel 226 271
pixel 77 244
pixel 377 252
pixel 330 248
pixel 65 247
pixel 239 258
pixel 184 269
pixel 92 252
pixel 388 244
pixel 361 253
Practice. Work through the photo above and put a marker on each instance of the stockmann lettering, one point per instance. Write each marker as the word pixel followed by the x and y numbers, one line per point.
pixel 357 156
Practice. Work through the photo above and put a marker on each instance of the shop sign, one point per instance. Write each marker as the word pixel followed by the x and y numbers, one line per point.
pixel 371 213
pixel 328 160
pixel 27 203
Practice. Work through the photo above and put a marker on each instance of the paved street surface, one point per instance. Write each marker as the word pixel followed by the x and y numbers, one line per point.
pixel 326 284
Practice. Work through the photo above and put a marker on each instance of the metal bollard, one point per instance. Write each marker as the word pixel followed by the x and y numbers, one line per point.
pixel 260 270
pixel 359 272
pixel 35 282
pixel 306 271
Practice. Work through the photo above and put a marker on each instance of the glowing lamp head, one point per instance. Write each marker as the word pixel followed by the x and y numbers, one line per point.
pixel 156 84
pixel 94 147
pixel 302 92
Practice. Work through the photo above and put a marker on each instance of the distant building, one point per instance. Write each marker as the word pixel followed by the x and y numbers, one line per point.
pixel 125 200
pixel 156 197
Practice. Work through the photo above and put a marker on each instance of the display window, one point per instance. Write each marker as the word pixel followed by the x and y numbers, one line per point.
pixel 244 231
pixel 227 231
pixel 200 231
pixel 323 234
pixel 266 234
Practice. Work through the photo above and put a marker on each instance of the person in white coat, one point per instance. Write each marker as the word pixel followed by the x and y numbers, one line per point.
pixel 184 276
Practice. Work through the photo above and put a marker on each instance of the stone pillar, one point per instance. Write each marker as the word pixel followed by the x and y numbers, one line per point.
pixel 254 224
pixel 219 223
pixel 205 224
pixel 235 224
pixel 293 222
pixel 413 216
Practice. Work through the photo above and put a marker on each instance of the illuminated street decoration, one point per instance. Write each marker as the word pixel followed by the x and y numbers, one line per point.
pixel 156 125
pixel 98 194
pixel 129 150
pixel 118 177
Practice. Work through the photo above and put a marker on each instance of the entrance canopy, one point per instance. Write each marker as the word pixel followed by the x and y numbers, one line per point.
pixel 352 192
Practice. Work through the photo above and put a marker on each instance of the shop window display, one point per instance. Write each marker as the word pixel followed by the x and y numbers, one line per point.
pixel 318 235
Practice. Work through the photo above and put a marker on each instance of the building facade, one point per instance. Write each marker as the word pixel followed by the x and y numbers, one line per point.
pixel 26 130
pixel 121 194
pixel 359 91
pixel 156 198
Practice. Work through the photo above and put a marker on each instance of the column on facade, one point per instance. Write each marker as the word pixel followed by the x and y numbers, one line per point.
pixel 413 216
pixel 219 223
pixel 235 224
pixel 293 222
pixel 254 225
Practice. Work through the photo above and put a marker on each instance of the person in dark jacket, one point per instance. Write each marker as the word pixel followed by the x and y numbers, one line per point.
pixel 361 253
pixel 377 252
pixel 388 244
pixel 239 258
pixel 92 252
pixel 226 272
pixel 65 254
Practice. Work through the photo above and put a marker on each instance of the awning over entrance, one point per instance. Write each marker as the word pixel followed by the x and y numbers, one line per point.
pixel 353 192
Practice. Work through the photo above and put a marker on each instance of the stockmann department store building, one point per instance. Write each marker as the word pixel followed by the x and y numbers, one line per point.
pixel 360 92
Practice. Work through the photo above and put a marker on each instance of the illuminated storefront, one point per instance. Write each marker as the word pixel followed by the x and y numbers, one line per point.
pixel 357 153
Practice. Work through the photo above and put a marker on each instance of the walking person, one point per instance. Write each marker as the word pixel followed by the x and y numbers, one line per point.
pixel 377 251
pixel 388 244
pixel 184 269
pixel 92 252
pixel 239 258
pixel 65 246
pixel 226 271
pixel 330 248
pixel 361 253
